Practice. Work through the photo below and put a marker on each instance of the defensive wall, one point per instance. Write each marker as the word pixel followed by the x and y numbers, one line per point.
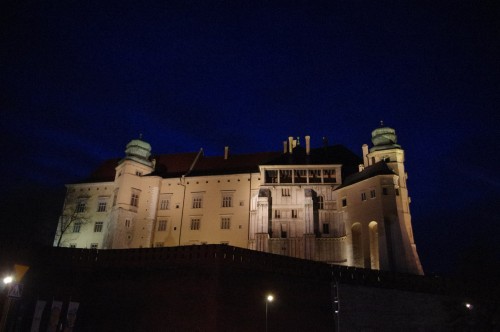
pixel 222 288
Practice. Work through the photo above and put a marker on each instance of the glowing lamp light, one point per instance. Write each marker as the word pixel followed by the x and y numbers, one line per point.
pixel 8 280
pixel 469 306
pixel 270 298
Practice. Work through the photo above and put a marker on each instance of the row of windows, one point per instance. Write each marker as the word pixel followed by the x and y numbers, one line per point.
pixel 77 226
pixel 81 205
pixel 373 193
pixel 92 245
pixel 197 203
pixel 300 176
pixel 278 214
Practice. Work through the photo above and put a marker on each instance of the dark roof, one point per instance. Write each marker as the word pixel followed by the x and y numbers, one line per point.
pixel 175 165
pixel 379 168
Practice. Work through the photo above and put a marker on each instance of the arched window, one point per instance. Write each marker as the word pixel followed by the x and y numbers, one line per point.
pixel 357 245
pixel 374 248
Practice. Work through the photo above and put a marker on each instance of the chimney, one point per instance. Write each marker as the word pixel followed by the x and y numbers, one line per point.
pixel 226 152
pixel 308 144
pixel 365 154
pixel 285 148
pixel 290 144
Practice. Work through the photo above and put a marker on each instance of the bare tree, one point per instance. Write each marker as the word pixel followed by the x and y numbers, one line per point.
pixel 74 218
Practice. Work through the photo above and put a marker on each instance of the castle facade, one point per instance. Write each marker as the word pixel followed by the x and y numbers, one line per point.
pixel 324 204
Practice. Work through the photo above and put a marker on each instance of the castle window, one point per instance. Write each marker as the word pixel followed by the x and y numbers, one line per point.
pixel 294 214
pixel 227 199
pixel 321 204
pixel 81 205
pixel 165 202
pixel 373 193
pixel 283 231
pixel 138 173
pixel 329 176
pixel 277 214
pixel 285 192
pixel 134 198
pixel 363 196
pixel 286 176
pixel 101 204
pixel 225 223
pixel 385 192
pixel 197 202
pixel 271 176
pixel 127 223
pixel 162 225
pixel 94 245
pixel 158 244
pixel 344 202
pixel 326 228
pixel 195 224
pixel 72 245
pixel 77 226
pixel 115 196
pixel 98 226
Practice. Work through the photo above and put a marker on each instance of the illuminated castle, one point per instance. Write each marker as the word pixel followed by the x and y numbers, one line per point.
pixel 324 204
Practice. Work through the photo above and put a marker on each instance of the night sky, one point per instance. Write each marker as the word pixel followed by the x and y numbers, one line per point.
pixel 80 79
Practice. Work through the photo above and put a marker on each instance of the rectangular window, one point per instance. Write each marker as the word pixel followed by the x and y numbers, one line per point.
pixel 363 196
pixel 385 192
pixel 94 245
pixel 77 226
pixel 81 205
pixel 165 204
pixel 283 232
pixel 158 244
pixel 162 225
pixel 195 224
pixel 138 173
pixel 225 223
pixel 285 192
pixel 134 199
pixel 326 228
pixel 72 245
pixel 294 214
pixel 127 223
pixel 115 195
pixel 102 204
pixel 277 214
pixel 227 199
pixel 98 226
pixel 321 201
pixel 373 193
pixel 197 202
pixel 344 202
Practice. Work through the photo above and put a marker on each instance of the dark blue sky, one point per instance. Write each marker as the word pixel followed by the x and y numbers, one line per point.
pixel 79 79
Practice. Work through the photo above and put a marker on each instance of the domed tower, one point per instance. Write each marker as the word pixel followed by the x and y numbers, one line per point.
pixel 385 149
pixel 134 198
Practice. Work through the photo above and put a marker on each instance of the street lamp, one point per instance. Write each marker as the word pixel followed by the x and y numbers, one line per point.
pixel 6 306
pixel 8 280
pixel 269 299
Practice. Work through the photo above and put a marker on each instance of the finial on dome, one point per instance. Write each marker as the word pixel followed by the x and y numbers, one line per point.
pixel 140 136
pixel 381 123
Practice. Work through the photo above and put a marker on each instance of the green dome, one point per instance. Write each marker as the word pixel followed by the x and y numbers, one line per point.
pixel 384 138
pixel 138 148
pixel 139 151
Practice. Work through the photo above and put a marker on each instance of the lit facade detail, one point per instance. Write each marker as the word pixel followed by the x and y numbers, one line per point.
pixel 324 204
